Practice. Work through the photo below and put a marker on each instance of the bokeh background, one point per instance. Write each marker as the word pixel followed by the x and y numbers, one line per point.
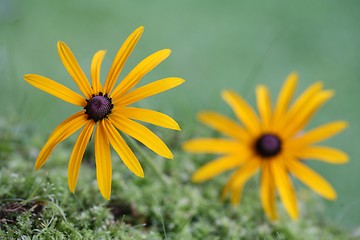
pixel 216 45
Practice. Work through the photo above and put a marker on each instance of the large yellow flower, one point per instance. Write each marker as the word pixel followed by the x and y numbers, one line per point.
pixel 273 143
pixel 108 109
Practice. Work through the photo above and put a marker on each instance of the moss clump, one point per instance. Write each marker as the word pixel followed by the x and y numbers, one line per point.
pixel 38 205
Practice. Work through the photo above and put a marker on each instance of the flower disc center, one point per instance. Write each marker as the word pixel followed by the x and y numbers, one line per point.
pixel 268 145
pixel 98 107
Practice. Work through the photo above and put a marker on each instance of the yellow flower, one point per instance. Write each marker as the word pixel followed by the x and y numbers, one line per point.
pixel 107 108
pixel 272 142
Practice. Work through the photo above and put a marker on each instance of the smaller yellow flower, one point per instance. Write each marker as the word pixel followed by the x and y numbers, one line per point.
pixel 273 143
pixel 105 110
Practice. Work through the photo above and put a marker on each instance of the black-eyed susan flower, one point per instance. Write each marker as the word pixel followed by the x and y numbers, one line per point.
pixel 105 110
pixel 271 141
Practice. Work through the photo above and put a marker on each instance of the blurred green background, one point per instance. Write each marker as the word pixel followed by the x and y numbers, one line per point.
pixel 215 44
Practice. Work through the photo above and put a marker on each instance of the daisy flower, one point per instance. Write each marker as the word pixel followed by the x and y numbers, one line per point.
pixel 272 142
pixel 105 109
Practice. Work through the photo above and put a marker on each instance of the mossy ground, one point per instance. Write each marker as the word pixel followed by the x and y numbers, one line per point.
pixel 38 205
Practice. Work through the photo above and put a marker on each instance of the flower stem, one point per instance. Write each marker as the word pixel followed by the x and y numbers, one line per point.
pixel 147 160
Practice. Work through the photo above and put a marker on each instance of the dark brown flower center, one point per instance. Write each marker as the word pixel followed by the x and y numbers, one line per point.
pixel 268 145
pixel 98 107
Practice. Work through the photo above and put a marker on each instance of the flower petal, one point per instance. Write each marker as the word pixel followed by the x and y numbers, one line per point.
pixel 309 177
pixel 55 89
pixel 95 71
pixel 103 161
pixel 122 149
pixel 63 131
pixel 264 105
pixel 303 99
pixel 238 180
pixel 326 154
pixel 121 57
pixel 224 125
pixel 142 134
pixel 284 187
pixel 148 90
pixel 236 194
pixel 245 172
pixel 268 192
pixel 227 187
pixel 73 68
pixel 212 145
pixel 318 134
pixel 139 71
pixel 243 111
pixel 78 153
pixel 284 99
pixel 302 118
pixel 219 166
pixel 149 116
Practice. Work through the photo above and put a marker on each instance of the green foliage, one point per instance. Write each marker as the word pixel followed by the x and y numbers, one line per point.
pixel 38 205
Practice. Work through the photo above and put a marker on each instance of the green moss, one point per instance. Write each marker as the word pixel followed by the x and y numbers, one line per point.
pixel 38 205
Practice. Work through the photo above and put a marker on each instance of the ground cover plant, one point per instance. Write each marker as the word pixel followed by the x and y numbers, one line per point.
pixel 38 205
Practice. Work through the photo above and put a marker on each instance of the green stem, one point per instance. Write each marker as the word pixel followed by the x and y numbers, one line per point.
pixel 148 161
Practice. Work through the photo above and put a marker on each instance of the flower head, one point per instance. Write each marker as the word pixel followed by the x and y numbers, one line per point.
pixel 272 142
pixel 105 110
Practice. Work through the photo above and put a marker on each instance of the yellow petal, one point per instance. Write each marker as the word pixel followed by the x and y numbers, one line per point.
pixel 224 125
pixel 308 110
pixel 318 134
pixel 103 161
pixel 285 188
pixel 121 57
pixel 73 68
pixel 95 71
pixel 268 192
pixel 122 149
pixel 227 187
pixel 236 194
pixel 245 172
pixel 142 134
pixel 212 145
pixel 149 116
pixel 139 71
pixel 55 89
pixel 78 153
pixel 63 131
pixel 243 111
pixel 148 90
pixel 238 180
pixel 264 105
pixel 219 166
pixel 325 154
pixel 313 180
pixel 283 101
pixel 304 98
